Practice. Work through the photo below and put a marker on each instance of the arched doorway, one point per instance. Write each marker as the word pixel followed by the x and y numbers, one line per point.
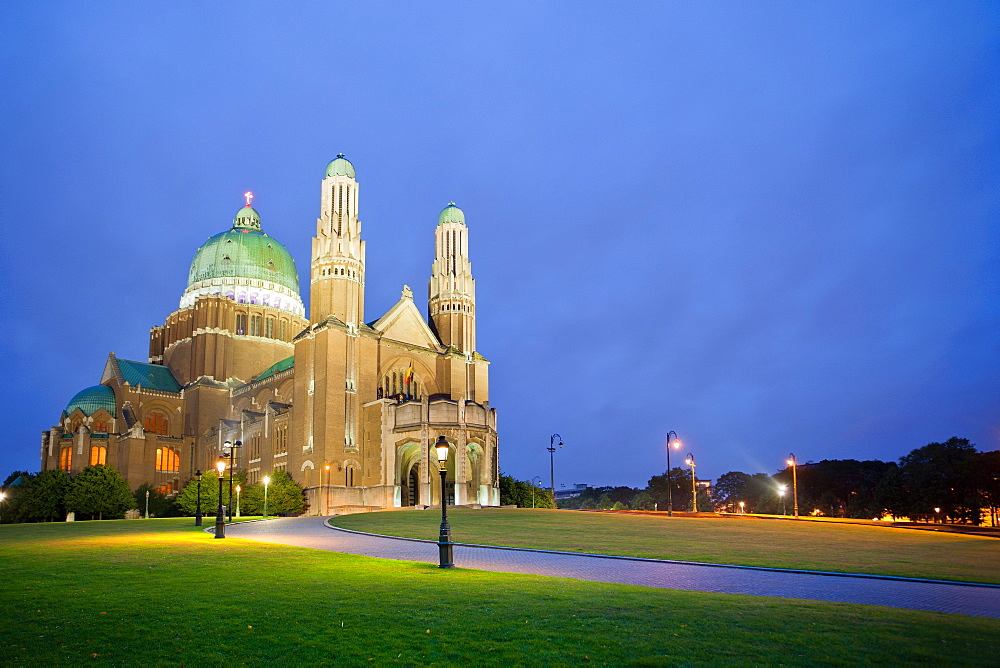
pixel 408 474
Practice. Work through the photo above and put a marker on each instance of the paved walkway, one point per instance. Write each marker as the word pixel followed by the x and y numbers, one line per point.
pixel 898 593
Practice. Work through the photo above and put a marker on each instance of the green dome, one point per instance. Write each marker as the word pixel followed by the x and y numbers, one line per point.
pixel 244 253
pixel 451 214
pixel 340 166
pixel 93 399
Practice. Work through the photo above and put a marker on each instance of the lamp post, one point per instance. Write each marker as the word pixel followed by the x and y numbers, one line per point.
pixel 676 443
pixel 267 481
pixel 552 466
pixel 533 486
pixel 326 490
pixel 937 514
pixel 742 508
pixel 220 517
pixel 445 546
pixel 795 484
pixel 781 493
pixel 147 504
pixel 197 512
pixel 238 490
pixel 694 487
pixel 232 454
pixel 3 497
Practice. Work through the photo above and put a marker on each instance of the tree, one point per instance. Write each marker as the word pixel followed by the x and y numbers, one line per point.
pixel 618 505
pixel 284 495
pixel 188 497
pixel 730 489
pixel 99 491
pixel 988 480
pixel 643 501
pixel 521 493
pixel 41 498
pixel 604 502
pixel 160 505
pixel 941 475
pixel 680 483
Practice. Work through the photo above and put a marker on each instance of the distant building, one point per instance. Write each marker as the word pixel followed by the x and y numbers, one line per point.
pixel 571 493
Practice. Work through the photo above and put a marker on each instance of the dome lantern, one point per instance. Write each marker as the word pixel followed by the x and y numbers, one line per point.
pixel 340 166
pixel 451 214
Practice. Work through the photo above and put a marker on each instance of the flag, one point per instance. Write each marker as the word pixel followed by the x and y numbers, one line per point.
pixel 409 374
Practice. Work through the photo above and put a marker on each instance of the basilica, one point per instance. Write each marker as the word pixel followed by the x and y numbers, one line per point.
pixel 350 409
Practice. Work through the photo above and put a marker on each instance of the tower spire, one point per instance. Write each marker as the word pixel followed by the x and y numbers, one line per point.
pixel 338 253
pixel 451 301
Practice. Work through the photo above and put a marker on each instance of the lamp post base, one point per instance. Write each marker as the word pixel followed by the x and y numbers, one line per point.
pixel 446 558
pixel 220 523
pixel 197 519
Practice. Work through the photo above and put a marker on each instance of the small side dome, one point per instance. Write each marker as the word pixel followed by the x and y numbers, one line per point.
pixel 247 218
pixel 451 214
pixel 93 399
pixel 340 166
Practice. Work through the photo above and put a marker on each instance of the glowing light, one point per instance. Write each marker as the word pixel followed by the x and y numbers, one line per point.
pixel 248 195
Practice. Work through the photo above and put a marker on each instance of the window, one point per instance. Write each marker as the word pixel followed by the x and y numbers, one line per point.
pixel 98 455
pixel 255 325
pixel 349 476
pixel 156 423
pixel 269 328
pixel 75 425
pixel 66 458
pixel 241 323
pixel 100 426
pixel 281 440
pixel 282 327
pixel 168 459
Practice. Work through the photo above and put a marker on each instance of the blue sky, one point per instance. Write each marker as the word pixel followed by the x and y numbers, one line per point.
pixel 771 227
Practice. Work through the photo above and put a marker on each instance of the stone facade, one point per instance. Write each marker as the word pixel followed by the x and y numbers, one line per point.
pixel 350 409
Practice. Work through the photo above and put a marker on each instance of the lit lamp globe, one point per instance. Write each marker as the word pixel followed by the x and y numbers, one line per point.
pixel 441 447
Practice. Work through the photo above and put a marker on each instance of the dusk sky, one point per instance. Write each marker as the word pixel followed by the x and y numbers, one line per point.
pixel 772 227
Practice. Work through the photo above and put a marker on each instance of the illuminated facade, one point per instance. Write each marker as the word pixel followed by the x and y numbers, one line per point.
pixel 350 409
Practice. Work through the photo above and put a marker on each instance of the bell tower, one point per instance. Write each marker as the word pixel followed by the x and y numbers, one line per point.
pixel 451 301
pixel 337 275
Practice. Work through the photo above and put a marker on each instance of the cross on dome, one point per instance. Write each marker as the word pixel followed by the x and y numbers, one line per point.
pixel 248 195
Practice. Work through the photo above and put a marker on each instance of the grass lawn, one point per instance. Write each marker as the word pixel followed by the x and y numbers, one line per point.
pixel 160 592
pixel 732 540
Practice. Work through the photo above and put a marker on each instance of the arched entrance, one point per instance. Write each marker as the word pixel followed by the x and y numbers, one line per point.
pixel 408 474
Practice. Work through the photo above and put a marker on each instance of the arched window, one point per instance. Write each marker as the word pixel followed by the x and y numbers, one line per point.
pixel 282 326
pixel 255 325
pixel 98 455
pixel 349 476
pixel 75 425
pixel 241 323
pixel 168 459
pixel 66 458
pixel 269 328
pixel 156 423
pixel 100 426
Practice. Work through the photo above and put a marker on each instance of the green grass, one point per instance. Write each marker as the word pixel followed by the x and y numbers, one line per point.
pixel 732 540
pixel 160 592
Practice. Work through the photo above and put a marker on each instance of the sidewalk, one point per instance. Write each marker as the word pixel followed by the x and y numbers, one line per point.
pixel 313 532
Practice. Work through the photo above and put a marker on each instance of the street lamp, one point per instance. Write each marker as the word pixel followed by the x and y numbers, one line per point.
pixel 197 512
pixel 937 513
pixel 147 504
pixel 795 484
pixel 742 508
pixel 445 546
pixel 533 486
pixel 326 490
pixel 267 481
pixel 781 492
pixel 232 454
pixel 694 487
pixel 675 444
pixel 220 517
pixel 552 470
pixel 238 490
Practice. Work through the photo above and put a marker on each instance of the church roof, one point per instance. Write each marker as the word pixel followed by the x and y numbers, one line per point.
pixel 92 399
pixel 275 368
pixel 340 166
pixel 244 251
pixel 451 214
pixel 149 376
